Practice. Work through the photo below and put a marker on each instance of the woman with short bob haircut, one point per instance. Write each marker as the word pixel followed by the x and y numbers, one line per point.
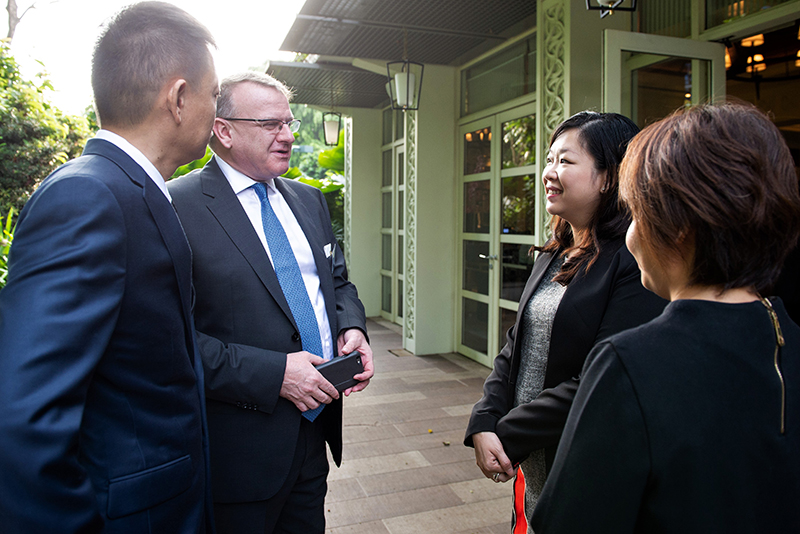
pixel 691 423
pixel 584 287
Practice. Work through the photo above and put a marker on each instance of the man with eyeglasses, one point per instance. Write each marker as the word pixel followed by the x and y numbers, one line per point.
pixel 272 302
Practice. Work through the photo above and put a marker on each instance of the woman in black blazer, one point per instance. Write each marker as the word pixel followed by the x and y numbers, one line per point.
pixel 691 423
pixel 584 287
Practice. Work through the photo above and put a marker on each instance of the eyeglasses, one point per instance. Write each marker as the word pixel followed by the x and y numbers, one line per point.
pixel 270 125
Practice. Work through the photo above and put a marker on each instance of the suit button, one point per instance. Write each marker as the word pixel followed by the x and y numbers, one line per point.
pixel 295 337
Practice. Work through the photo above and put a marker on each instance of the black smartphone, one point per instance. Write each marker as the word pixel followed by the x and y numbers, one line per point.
pixel 340 371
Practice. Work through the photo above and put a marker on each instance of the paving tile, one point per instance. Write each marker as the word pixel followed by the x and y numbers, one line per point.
pixel 437 425
pixel 500 528
pixel 455 452
pixel 483 489
pixel 355 400
pixel 371 527
pixel 354 451
pixel 451 520
pixel 379 464
pixel 345 489
pixel 438 376
pixel 462 409
pixel 423 477
pixel 388 506
pixel 370 433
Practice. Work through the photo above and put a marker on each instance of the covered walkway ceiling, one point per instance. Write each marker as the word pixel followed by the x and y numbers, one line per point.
pixel 439 32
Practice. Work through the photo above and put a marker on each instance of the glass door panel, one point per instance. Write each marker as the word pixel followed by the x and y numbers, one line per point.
pixel 498 206
pixel 646 77
pixel 518 204
pixel 476 207
pixel 476 267
pixel 515 267
pixel 475 324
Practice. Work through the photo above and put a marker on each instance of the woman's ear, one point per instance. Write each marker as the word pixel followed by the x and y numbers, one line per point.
pixel 603 179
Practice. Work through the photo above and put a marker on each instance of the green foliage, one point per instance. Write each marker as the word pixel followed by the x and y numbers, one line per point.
pixel 333 158
pixel 6 237
pixel 35 137
pixel 196 164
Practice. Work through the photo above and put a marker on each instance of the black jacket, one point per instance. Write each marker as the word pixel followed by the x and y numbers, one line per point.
pixel 607 299
pixel 676 428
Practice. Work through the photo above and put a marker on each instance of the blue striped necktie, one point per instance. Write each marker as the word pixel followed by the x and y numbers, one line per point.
pixel 291 281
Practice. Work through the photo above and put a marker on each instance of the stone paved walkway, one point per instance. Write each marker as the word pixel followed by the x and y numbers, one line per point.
pixel 405 470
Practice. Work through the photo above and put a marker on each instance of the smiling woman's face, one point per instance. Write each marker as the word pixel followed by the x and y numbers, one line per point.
pixel 572 183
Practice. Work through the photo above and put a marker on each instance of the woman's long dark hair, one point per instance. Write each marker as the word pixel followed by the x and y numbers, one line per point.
pixel 605 137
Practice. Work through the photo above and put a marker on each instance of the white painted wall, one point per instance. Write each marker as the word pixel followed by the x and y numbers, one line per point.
pixel 436 212
pixel 365 237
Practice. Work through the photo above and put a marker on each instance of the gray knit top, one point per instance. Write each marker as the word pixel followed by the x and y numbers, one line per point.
pixel 535 329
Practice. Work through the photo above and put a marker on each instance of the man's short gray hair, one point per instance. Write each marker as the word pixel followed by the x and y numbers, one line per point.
pixel 225 105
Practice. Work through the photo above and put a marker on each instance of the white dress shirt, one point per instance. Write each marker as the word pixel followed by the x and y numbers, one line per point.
pixel 137 156
pixel 242 186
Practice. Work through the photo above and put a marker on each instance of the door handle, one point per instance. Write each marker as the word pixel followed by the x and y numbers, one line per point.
pixel 485 257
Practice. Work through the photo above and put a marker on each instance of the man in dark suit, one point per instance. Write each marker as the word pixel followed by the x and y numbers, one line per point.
pixel 273 301
pixel 102 424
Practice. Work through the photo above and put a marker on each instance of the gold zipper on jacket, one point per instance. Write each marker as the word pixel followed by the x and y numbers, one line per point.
pixel 780 342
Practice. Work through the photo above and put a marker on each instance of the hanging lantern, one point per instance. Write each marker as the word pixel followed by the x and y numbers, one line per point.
pixel 331 125
pixel 607 7
pixel 405 86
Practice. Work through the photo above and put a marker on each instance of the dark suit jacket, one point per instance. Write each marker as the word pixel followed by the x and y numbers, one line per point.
pixel 605 300
pixel 102 418
pixel 246 328
pixel 676 427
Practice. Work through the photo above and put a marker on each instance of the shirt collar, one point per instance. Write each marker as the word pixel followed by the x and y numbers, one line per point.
pixel 137 156
pixel 238 180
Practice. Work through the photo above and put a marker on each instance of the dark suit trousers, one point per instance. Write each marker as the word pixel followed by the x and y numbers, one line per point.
pixel 298 507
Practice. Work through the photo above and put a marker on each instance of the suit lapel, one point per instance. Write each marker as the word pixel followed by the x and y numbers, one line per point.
pixel 174 238
pixel 316 240
pixel 228 211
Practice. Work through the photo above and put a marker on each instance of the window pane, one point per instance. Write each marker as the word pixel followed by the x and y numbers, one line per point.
pixel 518 204
pixel 400 254
pixel 516 265
pixel 519 142
pixel 386 294
pixel 399 124
pixel 387 126
pixel 387 168
pixel 725 11
pixel 506 75
pixel 401 168
pixel 661 88
pixel 672 18
pixel 386 252
pixel 474 321
pixel 387 210
pixel 400 298
pixel 478 151
pixel 476 269
pixel 401 209
pixel 476 207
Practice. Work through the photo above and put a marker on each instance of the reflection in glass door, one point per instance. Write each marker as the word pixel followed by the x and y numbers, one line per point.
pixel 499 225
pixel 646 77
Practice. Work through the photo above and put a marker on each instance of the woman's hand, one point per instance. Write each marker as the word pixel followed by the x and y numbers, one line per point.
pixel 491 458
